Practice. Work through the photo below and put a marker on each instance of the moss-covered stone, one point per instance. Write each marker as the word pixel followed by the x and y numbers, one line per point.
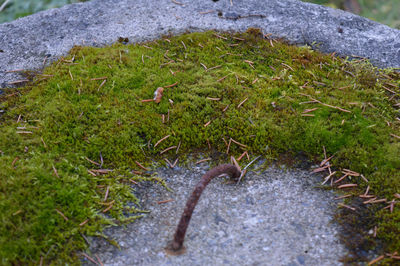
pixel 87 109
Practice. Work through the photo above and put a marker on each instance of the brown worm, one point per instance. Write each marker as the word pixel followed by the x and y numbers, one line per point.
pixel 176 246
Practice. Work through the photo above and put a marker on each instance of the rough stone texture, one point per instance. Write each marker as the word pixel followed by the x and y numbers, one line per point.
pixel 25 43
pixel 275 217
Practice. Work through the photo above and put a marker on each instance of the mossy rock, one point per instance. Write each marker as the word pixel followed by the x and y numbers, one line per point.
pixel 93 110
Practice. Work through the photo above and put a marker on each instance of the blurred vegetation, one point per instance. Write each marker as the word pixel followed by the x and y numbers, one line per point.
pixel 20 8
pixel 383 11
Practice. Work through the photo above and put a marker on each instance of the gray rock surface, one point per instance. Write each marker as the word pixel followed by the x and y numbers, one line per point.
pixel 275 217
pixel 26 42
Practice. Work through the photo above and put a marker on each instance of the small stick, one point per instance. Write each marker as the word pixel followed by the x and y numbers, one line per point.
pixel 55 171
pixel 89 258
pixel 347 185
pixel 70 74
pixel 242 102
pixel 214 67
pixel 229 145
pixel 106 195
pixel 172 85
pixel 108 208
pixel 226 108
pixel 178 3
pixel 100 78
pixel 213 99
pixel 350 172
pixel 203 160
pixel 18 81
pixel 366 191
pixel 62 214
pixel 141 166
pixel 168 162
pixel 164 201
pixel 347 206
pixel 207 124
pixel 84 222
pixel 177 149
pixel 340 179
pixel 206 12
pixel 183 44
pixel 90 172
pixel 320 169
pixel 100 263
pixel 283 64
pixel 167 149
pixel 14 161
pixel 15 70
pixel 325 160
pixel 363 177
pixel 241 156
pixel 377 201
pixel 93 162
pixel 238 143
pixel 221 79
pixel 381 257
pixel 328 177
pixel 368 201
pixel 176 246
pixel 174 164
pixel 101 85
pixel 309 110
pixel 395 136
pixel 161 140
pixel 219 36
pixel 343 197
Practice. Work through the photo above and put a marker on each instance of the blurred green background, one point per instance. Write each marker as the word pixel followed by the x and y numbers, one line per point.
pixel 384 11
pixel 14 9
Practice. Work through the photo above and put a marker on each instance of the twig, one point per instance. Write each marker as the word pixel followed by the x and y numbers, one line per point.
pixel 161 140
pixel 62 214
pixel 141 166
pixel 164 201
pixel 376 260
pixel 347 206
pixel 328 105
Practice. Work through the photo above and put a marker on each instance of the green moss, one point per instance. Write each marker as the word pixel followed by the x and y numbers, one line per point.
pixel 263 90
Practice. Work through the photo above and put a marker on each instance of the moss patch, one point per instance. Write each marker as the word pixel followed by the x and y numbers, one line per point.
pixel 86 112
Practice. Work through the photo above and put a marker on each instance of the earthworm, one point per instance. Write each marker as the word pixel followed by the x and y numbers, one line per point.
pixel 176 246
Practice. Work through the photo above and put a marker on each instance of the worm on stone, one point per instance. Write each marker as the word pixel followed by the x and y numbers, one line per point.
pixel 176 246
